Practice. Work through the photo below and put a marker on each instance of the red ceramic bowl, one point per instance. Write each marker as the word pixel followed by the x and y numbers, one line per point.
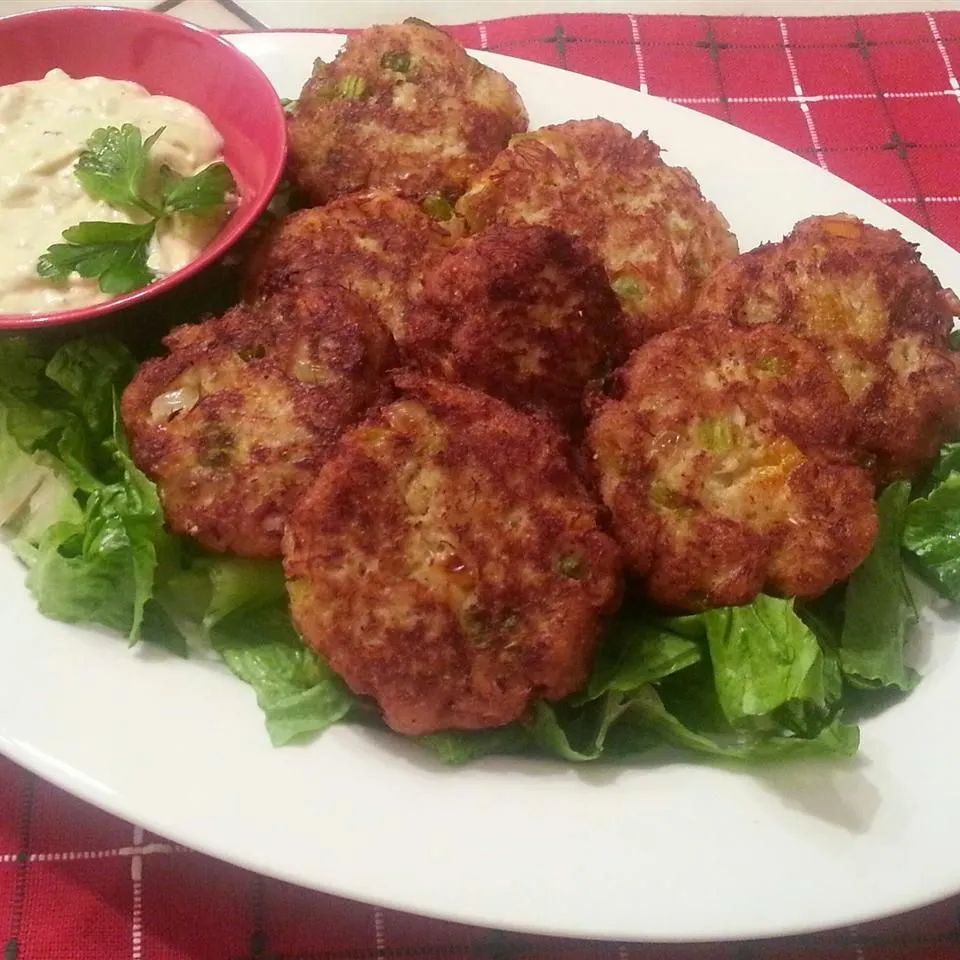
pixel 171 57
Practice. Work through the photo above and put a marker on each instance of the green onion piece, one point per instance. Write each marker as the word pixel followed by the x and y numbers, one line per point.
pixel 351 87
pixel 571 566
pixel 437 207
pixel 716 434
pixel 398 60
pixel 628 286
pixel 774 365
pixel 663 496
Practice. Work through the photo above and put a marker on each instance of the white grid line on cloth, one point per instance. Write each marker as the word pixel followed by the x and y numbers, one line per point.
pixel 919 199
pixel 638 53
pixel 482 28
pixel 938 39
pixel 380 932
pixel 8 858
pixel 70 855
pixel 820 97
pixel 798 90
pixel 136 876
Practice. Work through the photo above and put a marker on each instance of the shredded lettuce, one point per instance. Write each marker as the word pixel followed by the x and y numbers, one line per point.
pixel 764 681
pixel 89 526
pixel 738 683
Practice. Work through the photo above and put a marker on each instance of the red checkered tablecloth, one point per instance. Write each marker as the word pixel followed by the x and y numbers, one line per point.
pixel 875 100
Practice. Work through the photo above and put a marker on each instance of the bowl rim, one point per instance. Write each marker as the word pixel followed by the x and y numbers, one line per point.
pixel 234 227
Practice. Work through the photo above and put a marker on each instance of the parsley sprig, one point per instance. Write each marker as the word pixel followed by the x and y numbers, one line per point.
pixel 115 168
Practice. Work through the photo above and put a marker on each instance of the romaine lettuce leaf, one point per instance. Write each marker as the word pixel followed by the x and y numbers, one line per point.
pixel 647 711
pixel 239 607
pixel 767 662
pixel 878 605
pixel 93 528
pixel 640 649
pixel 298 693
pixel 101 570
pixel 739 683
pixel 456 747
pixel 931 534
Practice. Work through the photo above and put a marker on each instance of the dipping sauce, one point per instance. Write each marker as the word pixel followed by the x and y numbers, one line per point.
pixel 44 127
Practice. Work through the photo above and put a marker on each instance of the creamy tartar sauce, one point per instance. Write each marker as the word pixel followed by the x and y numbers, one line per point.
pixel 44 126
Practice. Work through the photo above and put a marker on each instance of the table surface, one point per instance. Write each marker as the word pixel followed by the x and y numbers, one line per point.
pixel 874 99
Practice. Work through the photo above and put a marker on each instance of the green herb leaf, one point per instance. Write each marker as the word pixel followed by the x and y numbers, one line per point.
pixel 113 166
pixel 203 193
pixel 114 253
pixel 879 607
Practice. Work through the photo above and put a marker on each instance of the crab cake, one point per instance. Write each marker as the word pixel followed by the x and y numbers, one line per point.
pixel 648 222
pixel 878 314
pixel 236 421
pixel 522 313
pixel 376 245
pixel 448 562
pixel 401 107
pixel 722 462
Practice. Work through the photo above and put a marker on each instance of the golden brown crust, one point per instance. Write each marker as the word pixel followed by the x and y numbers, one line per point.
pixel 523 313
pixel 401 107
pixel 879 315
pixel 448 563
pixel 375 244
pixel 648 222
pixel 722 461
pixel 235 422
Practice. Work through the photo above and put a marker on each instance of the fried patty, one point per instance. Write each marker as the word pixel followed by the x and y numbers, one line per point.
pixel 722 460
pixel 401 107
pixel 375 244
pixel 448 563
pixel 878 314
pixel 523 313
pixel 235 422
pixel 648 223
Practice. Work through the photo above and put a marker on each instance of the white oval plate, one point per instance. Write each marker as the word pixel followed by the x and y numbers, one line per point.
pixel 656 852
